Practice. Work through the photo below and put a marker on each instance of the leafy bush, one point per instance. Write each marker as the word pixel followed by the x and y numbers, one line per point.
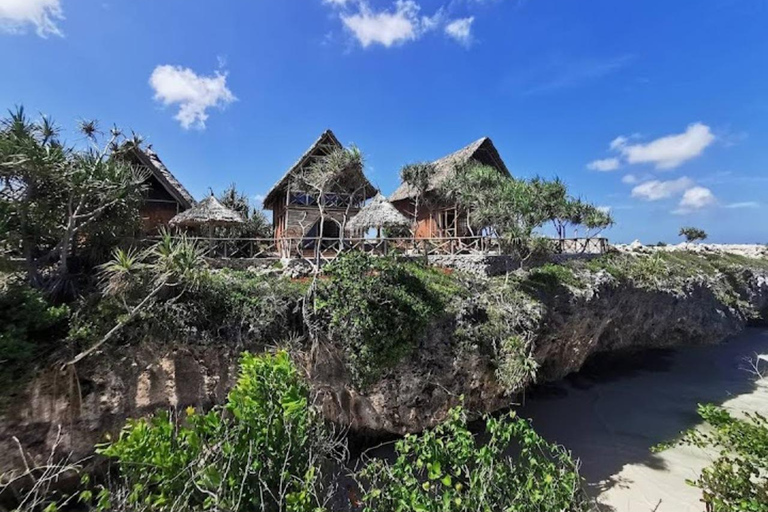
pixel 737 480
pixel 692 234
pixel 503 324
pixel 551 276
pixel 234 304
pixel 377 309
pixel 447 469
pixel 260 451
pixel 29 326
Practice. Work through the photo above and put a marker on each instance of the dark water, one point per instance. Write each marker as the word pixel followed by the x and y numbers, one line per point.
pixel 613 411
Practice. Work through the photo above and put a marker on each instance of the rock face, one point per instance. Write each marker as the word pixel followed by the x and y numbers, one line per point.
pixel 604 315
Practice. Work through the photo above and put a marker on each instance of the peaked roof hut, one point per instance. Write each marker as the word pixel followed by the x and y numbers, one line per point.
pixel 378 214
pixel 436 217
pixel 297 205
pixel 482 151
pixel 164 196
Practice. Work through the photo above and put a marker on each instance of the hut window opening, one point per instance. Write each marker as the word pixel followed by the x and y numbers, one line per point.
pixel 329 237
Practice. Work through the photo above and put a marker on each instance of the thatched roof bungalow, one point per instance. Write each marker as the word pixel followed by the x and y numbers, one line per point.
pixel 165 196
pixel 437 219
pixel 295 210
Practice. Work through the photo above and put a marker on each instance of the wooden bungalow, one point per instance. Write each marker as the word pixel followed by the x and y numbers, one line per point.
pixel 295 207
pixel 164 197
pixel 436 219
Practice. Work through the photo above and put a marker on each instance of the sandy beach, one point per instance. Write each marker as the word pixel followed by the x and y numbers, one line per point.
pixel 614 411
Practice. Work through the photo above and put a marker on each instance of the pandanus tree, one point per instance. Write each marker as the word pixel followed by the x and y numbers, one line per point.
pixel 499 205
pixel 512 209
pixel 418 177
pixel 137 279
pixel 58 201
pixel 256 224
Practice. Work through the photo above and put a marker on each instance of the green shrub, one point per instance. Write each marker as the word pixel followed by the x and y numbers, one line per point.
pixel 376 309
pixel 552 276
pixel 737 479
pixel 30 326
pixel 260 451
pixel 502 322
pixel 447 469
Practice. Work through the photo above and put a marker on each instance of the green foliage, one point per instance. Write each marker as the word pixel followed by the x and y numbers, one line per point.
pixel 503 324
pixel 377 309
pixel 447 469
pixel 692 234
pixel 189 299
pixel 512 209
pixel 260 451
pixel 256 223
pixel 737 479
pixel 551 276
pixel 30 327
pixel 61 205
pixel 499 204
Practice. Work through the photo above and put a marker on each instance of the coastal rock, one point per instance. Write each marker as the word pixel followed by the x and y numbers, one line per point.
pixel 602 315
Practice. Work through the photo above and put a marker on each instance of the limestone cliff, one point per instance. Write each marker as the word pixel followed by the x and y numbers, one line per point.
pixel 592 308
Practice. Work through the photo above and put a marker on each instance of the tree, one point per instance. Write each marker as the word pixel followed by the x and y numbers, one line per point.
pixel 448 469
pixel 256 223
pixel 501 206
pixel 340 171
pixel 596 220
pixel 418 177
pixel 59 201
pixel 692 234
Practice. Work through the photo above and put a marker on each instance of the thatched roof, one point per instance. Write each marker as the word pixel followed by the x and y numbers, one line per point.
pixel 324 144
pixel 149 159
pixel 208 212
pixel 379 213
pixel 482 151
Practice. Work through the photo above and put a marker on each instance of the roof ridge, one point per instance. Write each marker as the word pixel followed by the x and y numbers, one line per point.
pixel 327 133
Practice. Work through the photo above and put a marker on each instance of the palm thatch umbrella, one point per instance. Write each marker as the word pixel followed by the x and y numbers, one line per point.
pixel 208 212
pixel 378 214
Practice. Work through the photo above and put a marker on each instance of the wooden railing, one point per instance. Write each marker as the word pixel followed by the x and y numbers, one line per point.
pixel 330 248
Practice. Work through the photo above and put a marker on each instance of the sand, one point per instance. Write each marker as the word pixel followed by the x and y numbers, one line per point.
pixel 611 414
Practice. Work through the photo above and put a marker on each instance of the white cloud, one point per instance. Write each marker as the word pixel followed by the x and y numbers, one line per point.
pixel 338 3
pixel 655 190
pixel 194 93
pixel 667 152
pixel 604 209
pixel 604 165
pixel 694 199
pixel 385 27
pixel 619 142
pixel 629 179
pixel 460 30
pixel 745 204
pixel 17 15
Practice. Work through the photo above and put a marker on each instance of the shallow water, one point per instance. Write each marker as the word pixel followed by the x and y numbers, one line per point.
pixel 612 412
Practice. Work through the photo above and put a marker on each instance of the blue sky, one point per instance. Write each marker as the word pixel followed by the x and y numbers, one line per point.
pixel 656 109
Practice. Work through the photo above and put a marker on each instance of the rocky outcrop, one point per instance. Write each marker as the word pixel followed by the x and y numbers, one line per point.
pixel 601 314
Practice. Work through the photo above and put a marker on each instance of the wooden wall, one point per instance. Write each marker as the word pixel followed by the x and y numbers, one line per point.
pixel 155 215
